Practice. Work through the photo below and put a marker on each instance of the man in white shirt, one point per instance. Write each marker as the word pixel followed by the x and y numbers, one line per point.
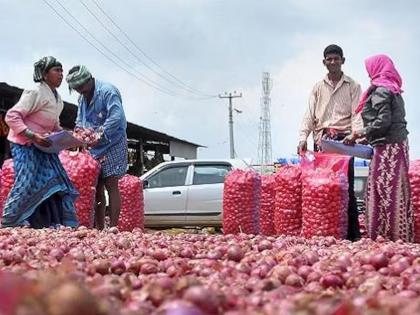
pixel 331 114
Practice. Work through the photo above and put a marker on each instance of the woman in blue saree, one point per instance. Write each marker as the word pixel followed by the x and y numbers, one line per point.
pixel 42 194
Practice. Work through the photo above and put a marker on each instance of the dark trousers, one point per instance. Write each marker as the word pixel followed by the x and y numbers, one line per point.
pixel 353 232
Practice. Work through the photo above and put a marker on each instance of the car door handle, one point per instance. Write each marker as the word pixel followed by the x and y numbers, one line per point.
pixel 176 192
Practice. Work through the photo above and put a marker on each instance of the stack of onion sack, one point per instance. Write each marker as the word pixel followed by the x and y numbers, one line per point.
pixel 414 174
pixel 83 171
pixel 324 203
pixel 288 201
pixel 7 181
pixel 132 203
pixel 268 194
pixel 241 202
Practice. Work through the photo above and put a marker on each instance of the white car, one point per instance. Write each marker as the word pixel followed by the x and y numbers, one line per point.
pixel 187 192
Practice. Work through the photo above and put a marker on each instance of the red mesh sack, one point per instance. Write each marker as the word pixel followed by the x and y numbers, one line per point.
pixel 132 203
pixel 330 161
pixel 324 204
pixel 7 181
pixel 268 194
pixel 288 200
pixel 241 202
pixel 414 175
pixel 83 171
pixel 325 195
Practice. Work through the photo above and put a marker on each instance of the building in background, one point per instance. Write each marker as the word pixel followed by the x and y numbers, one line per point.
pixel 146 147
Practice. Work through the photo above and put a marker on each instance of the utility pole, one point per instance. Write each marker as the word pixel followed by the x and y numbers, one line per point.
pixel 231 143
pixel 264 141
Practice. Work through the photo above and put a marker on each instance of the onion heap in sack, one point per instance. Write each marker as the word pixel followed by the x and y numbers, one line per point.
pixel 7 180
pixel 323 208
pixel 414 174
pixel 83 171
pixel 288 201
pixel 268 194
pixel 132 203
pixel 241 202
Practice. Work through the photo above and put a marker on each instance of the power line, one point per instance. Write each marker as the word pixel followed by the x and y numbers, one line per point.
pixel 151 82
pixel 144 79
pixel 133 54
pixel 146 55
pixel 102 52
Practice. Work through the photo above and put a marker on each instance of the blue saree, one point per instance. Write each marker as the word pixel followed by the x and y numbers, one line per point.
pixel 42 194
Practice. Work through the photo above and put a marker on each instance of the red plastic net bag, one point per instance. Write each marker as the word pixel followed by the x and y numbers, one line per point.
pixel 288 200
pixel 325 196
pixel 414 174
pixel 268 194
pixel 241 202
pixel 7 181
pixel 132 203
pixel 83 171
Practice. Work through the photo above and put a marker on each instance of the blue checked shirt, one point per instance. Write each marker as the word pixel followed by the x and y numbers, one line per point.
pixel 106 111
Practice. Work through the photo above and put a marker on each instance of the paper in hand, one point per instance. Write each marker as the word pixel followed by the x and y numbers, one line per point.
pixel 61 140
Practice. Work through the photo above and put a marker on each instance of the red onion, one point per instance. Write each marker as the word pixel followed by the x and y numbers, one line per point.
pixel 331 280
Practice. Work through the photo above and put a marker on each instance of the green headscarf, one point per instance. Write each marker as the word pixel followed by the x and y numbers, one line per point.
pixel 43 65
pixel 77 76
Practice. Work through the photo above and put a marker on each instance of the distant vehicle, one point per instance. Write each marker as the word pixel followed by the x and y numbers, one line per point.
pixel 187 192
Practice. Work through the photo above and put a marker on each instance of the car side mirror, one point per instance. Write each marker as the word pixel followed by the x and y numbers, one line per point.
pixel 145 183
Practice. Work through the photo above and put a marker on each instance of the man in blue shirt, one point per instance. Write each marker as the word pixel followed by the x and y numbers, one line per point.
pixel 100 108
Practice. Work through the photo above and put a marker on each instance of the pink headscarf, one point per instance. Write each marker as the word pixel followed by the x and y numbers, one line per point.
pixel 382 72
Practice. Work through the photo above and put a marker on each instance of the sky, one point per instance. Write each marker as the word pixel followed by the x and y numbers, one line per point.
pixel 171 59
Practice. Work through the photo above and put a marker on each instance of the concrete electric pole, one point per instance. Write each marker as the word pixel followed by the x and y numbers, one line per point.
pixel 231 143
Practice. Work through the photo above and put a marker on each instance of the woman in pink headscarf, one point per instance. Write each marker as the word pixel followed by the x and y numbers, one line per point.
pixel 388 192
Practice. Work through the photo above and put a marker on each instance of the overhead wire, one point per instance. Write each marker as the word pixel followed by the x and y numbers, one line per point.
pixel 123 44
pixel 146 55
pixel 150 81
pixel 239 131
pixel 103 53
pixel 140 77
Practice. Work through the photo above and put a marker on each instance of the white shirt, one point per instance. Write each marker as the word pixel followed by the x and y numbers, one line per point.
pixel 332 107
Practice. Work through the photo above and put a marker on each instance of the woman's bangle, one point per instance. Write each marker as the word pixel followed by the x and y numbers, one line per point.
pixel 29 133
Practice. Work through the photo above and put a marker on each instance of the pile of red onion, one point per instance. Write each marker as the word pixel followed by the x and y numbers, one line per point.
pixel 7 180
pixel 268 193
pixel 132 205
pixel 67 271
pixel 86 135
pixel 241 202
pixel 324 204
pixel 288 201
pixel 83 171
pixel 414 174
